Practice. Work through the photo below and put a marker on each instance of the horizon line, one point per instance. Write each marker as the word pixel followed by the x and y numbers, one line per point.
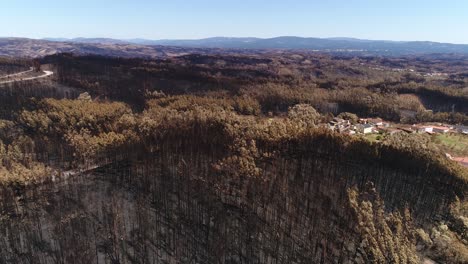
pixel 227 37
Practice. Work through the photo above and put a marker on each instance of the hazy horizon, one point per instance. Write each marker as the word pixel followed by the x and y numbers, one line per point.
pixel 55 38
pixel 398 20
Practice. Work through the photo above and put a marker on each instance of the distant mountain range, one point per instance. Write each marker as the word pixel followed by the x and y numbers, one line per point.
pixel 319 44
pixel 33 48
pixel 23 47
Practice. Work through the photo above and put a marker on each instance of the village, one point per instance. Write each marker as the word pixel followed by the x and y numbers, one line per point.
pixel 452 138
pixel 378 125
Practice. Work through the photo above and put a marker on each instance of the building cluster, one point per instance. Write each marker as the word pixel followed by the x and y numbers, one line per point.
pixel 440 129
pixel 364 126
pixel 377 125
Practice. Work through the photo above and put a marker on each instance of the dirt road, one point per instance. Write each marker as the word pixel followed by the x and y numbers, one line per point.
pixel 16 77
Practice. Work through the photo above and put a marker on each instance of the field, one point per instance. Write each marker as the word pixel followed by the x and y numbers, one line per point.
pixel 455 144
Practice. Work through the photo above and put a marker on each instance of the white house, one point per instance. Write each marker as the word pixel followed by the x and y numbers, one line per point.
pixel 425 129
pixel 365 128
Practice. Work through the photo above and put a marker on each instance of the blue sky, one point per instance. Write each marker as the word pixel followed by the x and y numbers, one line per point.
pixel 442 20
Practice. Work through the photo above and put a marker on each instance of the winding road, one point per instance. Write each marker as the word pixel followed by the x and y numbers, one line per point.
pixel 17 77
pixel 16 74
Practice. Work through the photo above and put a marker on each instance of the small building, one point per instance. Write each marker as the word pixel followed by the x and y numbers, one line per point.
pixel 407 128
pixel 375 121
pixel 385 124
pixel 339 125
pixel 340 121
pixel 365 128
pixel 440 129
pixel 347 130
pixel 423 129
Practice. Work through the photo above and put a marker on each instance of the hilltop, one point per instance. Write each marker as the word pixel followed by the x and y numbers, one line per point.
pixel 35 48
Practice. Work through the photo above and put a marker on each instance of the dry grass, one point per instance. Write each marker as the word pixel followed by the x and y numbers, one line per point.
pixel 411 101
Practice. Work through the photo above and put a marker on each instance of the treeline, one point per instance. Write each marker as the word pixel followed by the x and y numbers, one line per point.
pixel 83 130
pixel 57 135
pixel 276 82
pixel 13 65
pixel 236 155
pixel 18 156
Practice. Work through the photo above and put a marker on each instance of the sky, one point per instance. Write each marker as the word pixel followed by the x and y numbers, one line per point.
pixel 431 20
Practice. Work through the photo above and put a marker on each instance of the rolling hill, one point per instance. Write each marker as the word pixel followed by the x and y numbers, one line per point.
pixel 382 47
pixel 143 48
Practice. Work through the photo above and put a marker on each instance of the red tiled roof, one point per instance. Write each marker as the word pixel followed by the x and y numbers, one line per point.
pixel 441 128
pixel 462 160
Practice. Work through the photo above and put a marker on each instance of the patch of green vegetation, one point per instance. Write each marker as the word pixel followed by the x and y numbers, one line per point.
pixel 455 144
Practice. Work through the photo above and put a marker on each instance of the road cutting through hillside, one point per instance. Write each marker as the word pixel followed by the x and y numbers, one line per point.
pixel 16 74
pixel 18 79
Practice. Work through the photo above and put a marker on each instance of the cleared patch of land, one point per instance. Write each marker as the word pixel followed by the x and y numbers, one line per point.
pixel 455 144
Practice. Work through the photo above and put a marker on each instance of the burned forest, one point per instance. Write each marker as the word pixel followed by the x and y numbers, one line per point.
pixel 224 157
